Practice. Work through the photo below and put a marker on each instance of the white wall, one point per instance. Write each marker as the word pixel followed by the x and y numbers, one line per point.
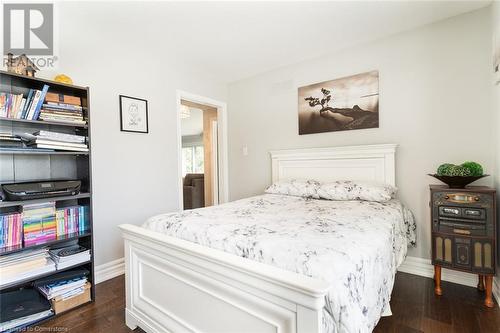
pixel 495 11
pixel 435 102
pixel 134 175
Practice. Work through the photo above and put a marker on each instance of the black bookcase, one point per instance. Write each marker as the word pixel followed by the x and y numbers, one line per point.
pixel 21 166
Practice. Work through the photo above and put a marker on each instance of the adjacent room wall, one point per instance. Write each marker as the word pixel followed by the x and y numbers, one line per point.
pixel 435 102
pixel 134 175
pixel 192 140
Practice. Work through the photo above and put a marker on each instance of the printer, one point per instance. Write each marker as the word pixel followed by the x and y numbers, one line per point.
pixel 40 189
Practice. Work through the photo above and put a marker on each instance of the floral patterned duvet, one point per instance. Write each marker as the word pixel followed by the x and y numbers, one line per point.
pixel 356 246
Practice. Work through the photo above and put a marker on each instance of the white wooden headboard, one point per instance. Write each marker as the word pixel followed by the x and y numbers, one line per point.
pixel 369 163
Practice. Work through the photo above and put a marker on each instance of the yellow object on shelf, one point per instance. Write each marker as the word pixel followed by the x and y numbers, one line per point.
pixel 63 79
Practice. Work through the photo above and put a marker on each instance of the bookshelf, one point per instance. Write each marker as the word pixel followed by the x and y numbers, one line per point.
pixel 32 165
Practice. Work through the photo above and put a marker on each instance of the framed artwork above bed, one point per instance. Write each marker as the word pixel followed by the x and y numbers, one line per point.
pixel 342 104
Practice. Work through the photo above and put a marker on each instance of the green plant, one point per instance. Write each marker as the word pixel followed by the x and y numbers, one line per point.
pixel 458 170
pixel 475 168
pixel 445 169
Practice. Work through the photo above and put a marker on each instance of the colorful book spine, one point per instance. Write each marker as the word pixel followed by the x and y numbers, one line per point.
pixel 40 102
pixel 19 106
pixel 39 223
pixel 72 220
pixel 11 230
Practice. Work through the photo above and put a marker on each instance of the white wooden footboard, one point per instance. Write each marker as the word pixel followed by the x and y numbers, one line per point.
pixel 178 286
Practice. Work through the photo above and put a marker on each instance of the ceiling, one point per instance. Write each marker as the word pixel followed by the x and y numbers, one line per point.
pixel 234 40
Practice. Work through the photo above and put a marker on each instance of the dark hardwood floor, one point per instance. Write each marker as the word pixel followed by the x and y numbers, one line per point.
pixel 415 309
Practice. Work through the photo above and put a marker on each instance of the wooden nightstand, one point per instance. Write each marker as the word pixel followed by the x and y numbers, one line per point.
pixel 464 234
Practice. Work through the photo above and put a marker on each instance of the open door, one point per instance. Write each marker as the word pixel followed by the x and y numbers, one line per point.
pixel 200 155
pixel 210 148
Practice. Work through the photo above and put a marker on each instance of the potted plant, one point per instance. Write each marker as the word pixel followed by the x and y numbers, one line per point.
pixel 459 176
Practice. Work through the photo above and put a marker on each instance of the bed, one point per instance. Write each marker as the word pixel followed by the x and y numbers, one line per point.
pixel 273 263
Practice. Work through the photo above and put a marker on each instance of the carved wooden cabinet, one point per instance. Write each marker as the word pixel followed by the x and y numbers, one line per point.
pixel 464 233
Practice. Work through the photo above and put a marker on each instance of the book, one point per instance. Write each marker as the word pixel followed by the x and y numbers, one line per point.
pixel 10 105
pixel 71 220
pixel 58 143
pixel 39 223
pixel 8 140
pixel 40 102
pixel 75 113
pixel 11 231
pixel 67 253
pixel 58 147
pixel 55 141
pixel 27 104
pixel 69 256
pixel 62 288
pixel 60 136
pixel 63 121
pixel 62 106
pixel 34 103
pixel 21 108
pixel 61 98
pixel 25 265
pixel 3 112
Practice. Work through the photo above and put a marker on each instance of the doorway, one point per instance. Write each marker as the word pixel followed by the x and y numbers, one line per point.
pixel 202 151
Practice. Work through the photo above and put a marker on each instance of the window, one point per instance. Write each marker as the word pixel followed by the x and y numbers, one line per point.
pixel 192 160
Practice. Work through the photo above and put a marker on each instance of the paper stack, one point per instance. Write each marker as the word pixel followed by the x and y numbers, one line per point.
pixel 56 141
pixel 69 256
pixel 24 265
pixel 64 289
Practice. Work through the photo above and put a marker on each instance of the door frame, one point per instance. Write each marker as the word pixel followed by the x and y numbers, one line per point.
pixel 223 173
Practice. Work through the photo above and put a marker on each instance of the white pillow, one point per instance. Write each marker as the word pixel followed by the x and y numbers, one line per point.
pixel 355 190
pixel 296 187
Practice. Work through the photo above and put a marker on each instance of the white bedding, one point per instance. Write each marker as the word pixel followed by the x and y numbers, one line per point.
pixel 356 246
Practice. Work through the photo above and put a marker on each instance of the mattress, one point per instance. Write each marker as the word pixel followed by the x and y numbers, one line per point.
pixel 356 246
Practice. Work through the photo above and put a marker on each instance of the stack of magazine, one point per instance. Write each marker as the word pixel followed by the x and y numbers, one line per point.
pixel 69 256
pixel 9 140
pixel 24 265
pixel 63 285
pixel 55 141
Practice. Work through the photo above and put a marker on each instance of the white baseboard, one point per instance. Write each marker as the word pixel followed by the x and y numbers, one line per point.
pixel 423 267
pixel 412 265
pixel 109 270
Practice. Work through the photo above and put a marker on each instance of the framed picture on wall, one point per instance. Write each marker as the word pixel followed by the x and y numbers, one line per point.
pixel 342 104
pixel 133 114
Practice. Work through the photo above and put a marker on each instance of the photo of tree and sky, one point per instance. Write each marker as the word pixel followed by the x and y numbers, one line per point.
pixel 342 104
